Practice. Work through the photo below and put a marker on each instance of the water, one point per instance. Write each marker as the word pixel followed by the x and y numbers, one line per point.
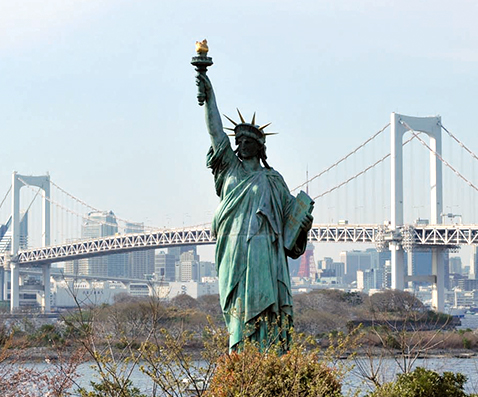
pixel 469 321
pixel 352 382
pixel 389 369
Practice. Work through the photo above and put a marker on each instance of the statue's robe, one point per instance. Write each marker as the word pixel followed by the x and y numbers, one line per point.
pixel 254 280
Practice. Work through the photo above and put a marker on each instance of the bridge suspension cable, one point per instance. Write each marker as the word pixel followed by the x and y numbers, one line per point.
pixel 78 200
pixel 74 198
pixel 31 202
pixel 352 177
pixel 33 199
pixel 6 195
pixel 414 133
pixel 57 204
pixel 459 142
pixel 343 158
pixel 359 173
pixel 49 199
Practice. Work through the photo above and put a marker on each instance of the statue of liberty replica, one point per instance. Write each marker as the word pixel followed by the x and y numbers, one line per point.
pixel 257 225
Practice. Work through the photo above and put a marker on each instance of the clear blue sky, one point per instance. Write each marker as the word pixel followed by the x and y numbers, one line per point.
pixel 101 93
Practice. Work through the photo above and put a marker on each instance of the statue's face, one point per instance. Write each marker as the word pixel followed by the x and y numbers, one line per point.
pixel 248 147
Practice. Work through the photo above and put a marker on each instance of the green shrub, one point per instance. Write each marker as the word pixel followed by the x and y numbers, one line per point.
pixel 423 383
pixel 106 388
pixel 46 335
pixel 391 342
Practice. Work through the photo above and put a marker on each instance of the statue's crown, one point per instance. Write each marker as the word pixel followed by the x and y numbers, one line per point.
pixel 251 130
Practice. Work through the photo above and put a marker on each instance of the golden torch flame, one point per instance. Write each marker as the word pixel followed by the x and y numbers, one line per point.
pixel 201 47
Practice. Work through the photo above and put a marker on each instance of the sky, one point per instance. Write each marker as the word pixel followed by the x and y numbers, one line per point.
pixel 101 94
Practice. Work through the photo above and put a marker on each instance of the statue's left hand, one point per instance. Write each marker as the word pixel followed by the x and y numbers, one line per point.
pixel 306 223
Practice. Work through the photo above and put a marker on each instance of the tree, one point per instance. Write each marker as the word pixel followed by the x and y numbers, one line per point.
pixel 395 302
pixel 322 311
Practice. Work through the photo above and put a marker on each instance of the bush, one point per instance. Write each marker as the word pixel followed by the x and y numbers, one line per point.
pixel 392 343
pixel 423 383
pixel 47 335
pixel 111 389
pixel 466 343
pixel 252 373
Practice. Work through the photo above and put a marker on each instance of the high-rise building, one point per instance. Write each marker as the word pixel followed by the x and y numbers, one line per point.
pixel 99 224
pixel 473 274
pixel 207 269
pixel 387 274
pixel 72 267
pixel 455 265
pixel 468 284
pixel 327 266
pixel 102 224
pixel 6 234
pixel 370 279
pixel 419 262
pixel 187 268
pixel 24 230
pixel 140 263
pixel 383 257
pixel 358 260
pixel 177 251
pixel 165 266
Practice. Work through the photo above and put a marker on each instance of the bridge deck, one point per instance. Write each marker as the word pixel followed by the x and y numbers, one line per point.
pixel 409 236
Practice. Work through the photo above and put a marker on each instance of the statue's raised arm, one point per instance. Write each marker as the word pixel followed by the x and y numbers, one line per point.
pixel 213 118
pixel 206 94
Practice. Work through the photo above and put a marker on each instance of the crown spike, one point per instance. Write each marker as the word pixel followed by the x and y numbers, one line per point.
pixel 240 115
pixel 264 126
pixel 231 120
pixel 229 129
pixel 253 122
pixel 270 133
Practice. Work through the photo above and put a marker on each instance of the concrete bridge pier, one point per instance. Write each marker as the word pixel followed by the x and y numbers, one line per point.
pixel 438 284
pixel 398 267
pixel 5 275
pixel 14 286
pixel 46 304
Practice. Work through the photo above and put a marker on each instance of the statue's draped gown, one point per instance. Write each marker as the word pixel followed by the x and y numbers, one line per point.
pixel 254 280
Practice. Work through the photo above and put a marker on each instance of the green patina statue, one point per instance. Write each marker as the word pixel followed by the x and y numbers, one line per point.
pixel 257 225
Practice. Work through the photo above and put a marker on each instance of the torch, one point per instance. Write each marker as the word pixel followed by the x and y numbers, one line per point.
pixel 201 61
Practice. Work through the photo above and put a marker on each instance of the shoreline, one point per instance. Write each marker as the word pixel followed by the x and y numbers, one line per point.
pixel 41 354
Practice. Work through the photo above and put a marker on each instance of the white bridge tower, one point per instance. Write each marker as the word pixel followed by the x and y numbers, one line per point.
pixel 43 182
pixel 432 127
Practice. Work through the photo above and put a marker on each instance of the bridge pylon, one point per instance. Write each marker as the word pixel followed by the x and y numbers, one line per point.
pixel 43 182
pixel 431 126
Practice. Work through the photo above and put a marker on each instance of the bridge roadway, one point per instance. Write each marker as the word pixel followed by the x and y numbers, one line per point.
pixel 410 236
pixel 57 274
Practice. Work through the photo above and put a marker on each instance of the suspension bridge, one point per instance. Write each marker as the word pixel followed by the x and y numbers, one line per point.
pixel 349 209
